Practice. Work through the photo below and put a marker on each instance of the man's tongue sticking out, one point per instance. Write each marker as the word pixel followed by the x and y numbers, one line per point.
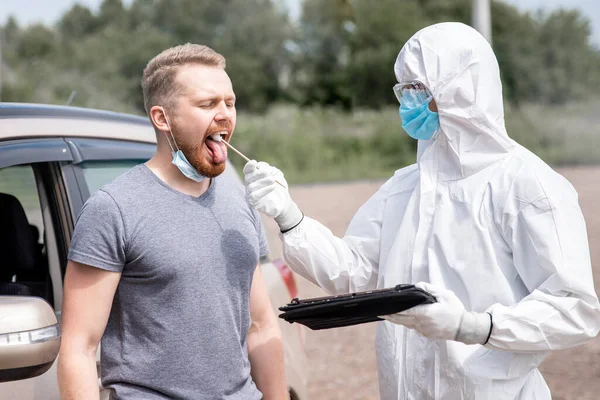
pixel 218 151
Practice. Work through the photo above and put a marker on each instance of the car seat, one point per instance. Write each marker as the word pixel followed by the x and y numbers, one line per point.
pixel 21 255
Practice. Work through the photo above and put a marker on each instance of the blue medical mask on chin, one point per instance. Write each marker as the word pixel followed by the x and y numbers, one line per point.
pixel 419 121
pixel 181 162
pixel 185 167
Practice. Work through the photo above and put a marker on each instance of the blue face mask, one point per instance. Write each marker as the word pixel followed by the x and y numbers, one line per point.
pixel 419 121
pixel 185 167
pixel 180 161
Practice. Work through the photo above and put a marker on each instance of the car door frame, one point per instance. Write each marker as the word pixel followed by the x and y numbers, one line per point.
pixel 63 178
pixel 46 156
pixel 90 149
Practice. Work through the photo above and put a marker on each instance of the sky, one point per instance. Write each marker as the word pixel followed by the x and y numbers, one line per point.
pixel 48 11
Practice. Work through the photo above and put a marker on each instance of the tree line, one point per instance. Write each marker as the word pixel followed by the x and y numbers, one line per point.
pixel 336 53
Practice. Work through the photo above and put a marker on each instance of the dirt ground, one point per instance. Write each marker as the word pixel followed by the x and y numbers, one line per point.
pixel 342 361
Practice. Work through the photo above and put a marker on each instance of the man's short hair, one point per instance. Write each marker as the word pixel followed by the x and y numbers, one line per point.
pixel 158 82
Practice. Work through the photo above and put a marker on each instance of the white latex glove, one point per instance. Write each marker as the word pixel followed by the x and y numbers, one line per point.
pixel 268 196
pixel 446 319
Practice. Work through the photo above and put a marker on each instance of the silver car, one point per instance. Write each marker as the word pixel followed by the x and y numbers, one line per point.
pixel 51 159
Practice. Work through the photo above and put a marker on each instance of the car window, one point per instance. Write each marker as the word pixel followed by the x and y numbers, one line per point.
pixel 19 181
pixel 25 269
pixel 99 173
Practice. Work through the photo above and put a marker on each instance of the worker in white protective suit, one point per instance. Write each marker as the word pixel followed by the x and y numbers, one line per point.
pixel 479 221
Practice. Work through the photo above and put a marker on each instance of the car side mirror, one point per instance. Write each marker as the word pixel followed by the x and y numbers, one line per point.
pixel 29 337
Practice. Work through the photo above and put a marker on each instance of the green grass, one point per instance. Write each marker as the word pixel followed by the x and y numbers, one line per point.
pixel 566 135
pixel 320 145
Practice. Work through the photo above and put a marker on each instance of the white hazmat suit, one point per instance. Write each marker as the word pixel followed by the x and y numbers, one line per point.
pixel 477 214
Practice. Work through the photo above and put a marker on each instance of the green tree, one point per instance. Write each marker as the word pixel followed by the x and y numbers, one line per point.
pixel 252 38
pixel 77 23
pixel 516 44
pixel 448 10
pixel 543 58
pixel 340 52
pixel 381 29
pixel 37 41
pixel 10 31
pixel 142 44
pixel 566 55
pixel 189 20
pixel 112 13
pixel 319 67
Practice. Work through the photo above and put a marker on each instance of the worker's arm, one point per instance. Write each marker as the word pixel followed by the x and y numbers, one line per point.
pixel 337 265
pixel 265 346
pixel 88 296
pixel 550 251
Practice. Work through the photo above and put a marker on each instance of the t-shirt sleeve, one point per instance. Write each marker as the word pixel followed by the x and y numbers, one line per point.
pixel 99 236
pixel 262 238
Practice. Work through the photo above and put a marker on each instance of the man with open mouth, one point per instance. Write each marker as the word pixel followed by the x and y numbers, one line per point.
pixel 163 266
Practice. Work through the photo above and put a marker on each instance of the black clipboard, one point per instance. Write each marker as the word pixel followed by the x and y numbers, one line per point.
pixel 353 308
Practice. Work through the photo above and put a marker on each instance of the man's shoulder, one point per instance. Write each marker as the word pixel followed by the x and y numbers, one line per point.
pixel 128 180
pixel 404 179
pixel 531 180
pixel 119 191
pixel 406 171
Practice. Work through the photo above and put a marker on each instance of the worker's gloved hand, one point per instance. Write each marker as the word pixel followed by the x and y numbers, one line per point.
pixel 270 197
pixel 446 319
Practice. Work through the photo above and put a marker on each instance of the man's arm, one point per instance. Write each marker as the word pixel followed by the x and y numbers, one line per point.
pixel 550 248
pixel 88 296
pixel 265 346
pixel 337 265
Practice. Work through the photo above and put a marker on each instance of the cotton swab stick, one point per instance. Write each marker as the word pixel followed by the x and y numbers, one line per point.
pixel 219 138
pixel 236 150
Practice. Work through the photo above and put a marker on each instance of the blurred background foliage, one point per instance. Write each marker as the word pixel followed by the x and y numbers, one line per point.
pixel 314 92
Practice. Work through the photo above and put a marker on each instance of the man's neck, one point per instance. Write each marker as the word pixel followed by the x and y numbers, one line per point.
pixel 161 165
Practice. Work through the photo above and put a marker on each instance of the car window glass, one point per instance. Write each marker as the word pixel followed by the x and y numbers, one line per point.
pixel 19 181
pixel 24 267
pixel 99 173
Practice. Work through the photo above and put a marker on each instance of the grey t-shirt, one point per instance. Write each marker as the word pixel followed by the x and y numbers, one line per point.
pixel 179 320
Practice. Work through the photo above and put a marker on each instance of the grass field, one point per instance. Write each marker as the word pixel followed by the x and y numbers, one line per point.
pixel 319 145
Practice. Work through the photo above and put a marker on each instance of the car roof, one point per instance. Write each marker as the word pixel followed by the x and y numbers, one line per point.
pixel 25 120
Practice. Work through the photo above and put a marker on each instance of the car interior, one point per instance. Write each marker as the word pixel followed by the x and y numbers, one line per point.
pixel 24 265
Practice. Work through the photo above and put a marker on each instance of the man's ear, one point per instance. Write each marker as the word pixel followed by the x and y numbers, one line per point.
pixel 159 118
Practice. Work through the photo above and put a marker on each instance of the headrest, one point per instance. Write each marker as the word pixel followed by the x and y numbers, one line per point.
pixel 15 289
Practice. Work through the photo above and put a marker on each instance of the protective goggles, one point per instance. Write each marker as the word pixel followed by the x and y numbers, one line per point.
pixel 411 94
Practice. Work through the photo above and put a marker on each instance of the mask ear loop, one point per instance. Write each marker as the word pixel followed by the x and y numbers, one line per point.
pixel 173 137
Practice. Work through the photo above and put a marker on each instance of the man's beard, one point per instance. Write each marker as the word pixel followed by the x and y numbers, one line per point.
pixel 193 153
